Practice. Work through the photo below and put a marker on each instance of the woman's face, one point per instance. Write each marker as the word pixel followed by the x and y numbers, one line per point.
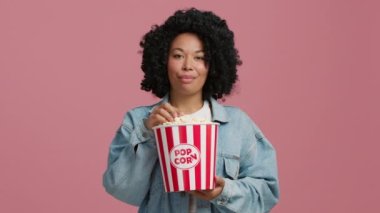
pixel 187 69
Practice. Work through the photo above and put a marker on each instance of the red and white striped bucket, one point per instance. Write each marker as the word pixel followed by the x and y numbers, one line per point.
pixel 187 154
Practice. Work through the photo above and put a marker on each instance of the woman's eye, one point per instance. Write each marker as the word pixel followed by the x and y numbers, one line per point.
pixel 199 58
pixel 177 56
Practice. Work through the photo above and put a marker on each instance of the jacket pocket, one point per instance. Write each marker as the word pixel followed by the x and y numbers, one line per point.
pixel 231 167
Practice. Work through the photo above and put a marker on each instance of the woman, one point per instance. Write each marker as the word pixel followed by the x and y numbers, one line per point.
pixel 190 61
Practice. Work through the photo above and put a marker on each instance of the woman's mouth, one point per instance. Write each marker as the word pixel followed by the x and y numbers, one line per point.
pixel 186 79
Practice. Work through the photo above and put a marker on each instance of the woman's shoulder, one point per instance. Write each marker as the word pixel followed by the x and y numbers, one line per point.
pixel 137 114
pixel 144 109
pixel 139 110
pixel 236 112
pixel 241 117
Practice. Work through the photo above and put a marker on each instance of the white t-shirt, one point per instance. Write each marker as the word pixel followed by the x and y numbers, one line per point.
pixel 204 112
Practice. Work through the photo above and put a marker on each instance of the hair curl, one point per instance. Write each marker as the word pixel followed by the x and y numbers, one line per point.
pixel 221 56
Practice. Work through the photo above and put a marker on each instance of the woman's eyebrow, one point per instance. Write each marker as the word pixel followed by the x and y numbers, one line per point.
pixel 181 50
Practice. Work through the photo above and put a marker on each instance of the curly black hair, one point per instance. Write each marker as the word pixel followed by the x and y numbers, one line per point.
pixel 221 56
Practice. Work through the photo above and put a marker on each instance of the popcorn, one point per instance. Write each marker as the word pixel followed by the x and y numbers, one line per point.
pixel 187 151
pixel 186 119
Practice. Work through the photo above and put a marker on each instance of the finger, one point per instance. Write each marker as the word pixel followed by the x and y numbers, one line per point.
pixel 165 114
pixel 162 110
pixel 206 194
pixel 203 192
pixel 171 109
pixel 219 181
pixel 158 119
pixel 198 194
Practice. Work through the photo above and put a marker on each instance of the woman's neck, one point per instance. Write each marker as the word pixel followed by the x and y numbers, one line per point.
pixel 186 104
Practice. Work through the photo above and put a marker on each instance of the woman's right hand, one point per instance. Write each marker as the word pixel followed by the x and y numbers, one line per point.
pixel 161 114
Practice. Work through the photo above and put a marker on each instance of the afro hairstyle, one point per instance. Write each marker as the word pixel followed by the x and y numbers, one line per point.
pixel 221 56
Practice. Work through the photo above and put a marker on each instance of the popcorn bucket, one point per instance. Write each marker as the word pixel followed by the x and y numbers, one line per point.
pixel 187 155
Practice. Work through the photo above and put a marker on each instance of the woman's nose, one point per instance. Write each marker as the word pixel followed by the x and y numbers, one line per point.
pixel 187 65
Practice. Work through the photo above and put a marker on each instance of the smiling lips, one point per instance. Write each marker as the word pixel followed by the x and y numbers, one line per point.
pixel 186 79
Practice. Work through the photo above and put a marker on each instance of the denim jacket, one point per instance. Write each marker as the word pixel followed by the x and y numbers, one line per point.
pixel 245 159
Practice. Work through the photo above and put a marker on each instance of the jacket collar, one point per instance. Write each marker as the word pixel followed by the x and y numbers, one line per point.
pixel 219 114
pixel 218 111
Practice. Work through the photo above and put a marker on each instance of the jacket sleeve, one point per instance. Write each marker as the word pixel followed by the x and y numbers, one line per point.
pixel 256 187
pixel 132 156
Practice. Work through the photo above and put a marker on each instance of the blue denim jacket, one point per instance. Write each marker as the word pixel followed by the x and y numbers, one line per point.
pixel 245 159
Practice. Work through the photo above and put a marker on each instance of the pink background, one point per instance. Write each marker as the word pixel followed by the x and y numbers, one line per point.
pixel 69 70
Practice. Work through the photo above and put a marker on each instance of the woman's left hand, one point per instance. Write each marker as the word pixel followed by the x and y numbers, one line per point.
pixel 210 194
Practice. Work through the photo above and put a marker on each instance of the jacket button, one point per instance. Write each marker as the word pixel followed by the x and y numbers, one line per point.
pixel 222 201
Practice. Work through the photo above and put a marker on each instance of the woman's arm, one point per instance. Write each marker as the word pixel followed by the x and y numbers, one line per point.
pixel 132 156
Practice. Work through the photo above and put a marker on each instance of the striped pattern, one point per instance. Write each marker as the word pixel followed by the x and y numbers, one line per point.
pixel 204 138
